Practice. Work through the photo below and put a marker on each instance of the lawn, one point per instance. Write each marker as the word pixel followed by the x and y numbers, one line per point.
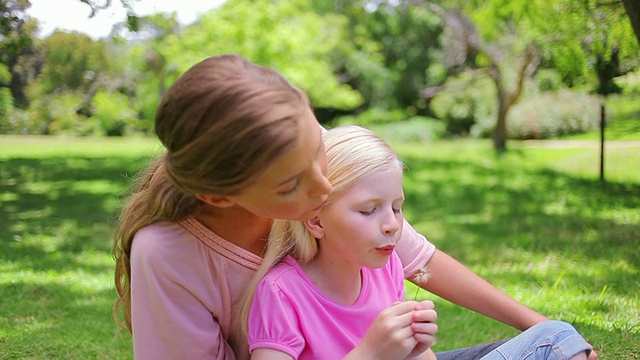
pixel 535 222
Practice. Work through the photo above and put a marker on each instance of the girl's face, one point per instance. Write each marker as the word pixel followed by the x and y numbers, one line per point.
pixel 363 225
pixel 295 186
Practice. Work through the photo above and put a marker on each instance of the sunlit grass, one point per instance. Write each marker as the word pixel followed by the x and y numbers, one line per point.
pixel 536 222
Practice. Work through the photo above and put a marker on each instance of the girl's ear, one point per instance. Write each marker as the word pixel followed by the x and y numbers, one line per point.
pixel 216 200
pixel 315 227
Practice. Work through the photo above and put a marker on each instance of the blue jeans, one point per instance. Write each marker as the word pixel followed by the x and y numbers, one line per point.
pixel 549 340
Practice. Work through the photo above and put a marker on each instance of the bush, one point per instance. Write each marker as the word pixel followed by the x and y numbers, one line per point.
pixel 112 113
pixel 396 125
pixel 6 108
pixel 549 80
pixel 548 115
pixel 465 100
pixel 372 116
pixel 414 129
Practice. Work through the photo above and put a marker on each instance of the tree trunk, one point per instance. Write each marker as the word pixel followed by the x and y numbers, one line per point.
pixel 500 131
pixel 632 7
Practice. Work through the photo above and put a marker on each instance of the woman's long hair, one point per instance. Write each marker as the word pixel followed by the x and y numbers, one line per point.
pixel 222 123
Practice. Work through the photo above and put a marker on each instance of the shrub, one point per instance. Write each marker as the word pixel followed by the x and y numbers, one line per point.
pixel 548 115
pixel 414 129
pixel 372 116
pixel 6 108
pixel 465 100
pixel 549 80
pixel 112 113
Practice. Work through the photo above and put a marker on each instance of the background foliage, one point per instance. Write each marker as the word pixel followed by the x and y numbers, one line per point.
pixel 464 64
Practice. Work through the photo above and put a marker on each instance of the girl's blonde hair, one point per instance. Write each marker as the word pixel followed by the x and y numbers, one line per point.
pixel 353 153
pixel 222 123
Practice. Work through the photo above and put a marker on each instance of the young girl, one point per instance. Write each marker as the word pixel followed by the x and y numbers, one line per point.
pixel 242 147
pixel 338 270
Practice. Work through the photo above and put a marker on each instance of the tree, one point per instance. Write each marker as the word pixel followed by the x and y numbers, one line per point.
pixel 588 42
pixel 72 61
pixel 466 42
pixel 16 34
pixel 632 7
pixel 285 35
pixel 98 5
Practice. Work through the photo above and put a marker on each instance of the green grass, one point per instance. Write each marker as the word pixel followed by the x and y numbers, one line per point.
pixel 58 197
pixel 535 222
pixel 555 240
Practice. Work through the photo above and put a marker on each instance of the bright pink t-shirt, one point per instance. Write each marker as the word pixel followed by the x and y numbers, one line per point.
pixel 186 283
pixel 290 314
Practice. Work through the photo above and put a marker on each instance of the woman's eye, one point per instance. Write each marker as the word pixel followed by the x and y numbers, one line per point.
pixel 397 210
pixel 290 191
pixel 367 212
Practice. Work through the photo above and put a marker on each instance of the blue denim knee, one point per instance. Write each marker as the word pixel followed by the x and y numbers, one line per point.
pixel 549 340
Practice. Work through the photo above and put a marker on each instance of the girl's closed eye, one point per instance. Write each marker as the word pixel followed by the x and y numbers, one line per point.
pixel 367 212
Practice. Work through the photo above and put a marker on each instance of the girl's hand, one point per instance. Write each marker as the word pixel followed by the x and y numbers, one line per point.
pixel 424 326
pixel 391 335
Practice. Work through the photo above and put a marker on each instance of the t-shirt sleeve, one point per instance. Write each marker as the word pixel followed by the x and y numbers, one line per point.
pixel 414 250
pixel 397 276
pixel 273 322
pixel 169 321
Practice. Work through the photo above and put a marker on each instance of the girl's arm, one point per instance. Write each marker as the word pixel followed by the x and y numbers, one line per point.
pixel 447 279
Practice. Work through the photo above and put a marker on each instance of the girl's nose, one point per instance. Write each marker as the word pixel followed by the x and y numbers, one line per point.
pixel 391 224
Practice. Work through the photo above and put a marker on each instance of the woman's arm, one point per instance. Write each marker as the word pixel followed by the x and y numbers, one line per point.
pixel 447 277
pixel 453 281
pixel 269 354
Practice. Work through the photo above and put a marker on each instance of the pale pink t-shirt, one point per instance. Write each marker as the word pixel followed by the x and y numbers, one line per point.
pixel 290 314
pixel 186 283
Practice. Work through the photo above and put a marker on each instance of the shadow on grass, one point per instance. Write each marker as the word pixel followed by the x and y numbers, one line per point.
pixel 56 223
pixel 536 210
pixel 59 321
pixel 487 212
pixel 69 203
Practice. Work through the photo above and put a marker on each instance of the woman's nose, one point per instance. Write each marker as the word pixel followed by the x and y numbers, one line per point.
pixel 320 183
pixel 320 186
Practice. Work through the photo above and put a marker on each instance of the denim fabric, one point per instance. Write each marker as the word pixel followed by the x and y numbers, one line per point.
pixel 549 340
pixel 470 353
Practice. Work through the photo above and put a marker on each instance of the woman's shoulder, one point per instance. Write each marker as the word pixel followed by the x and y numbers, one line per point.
pixel 161 243
pixel 159 236
pixel 190 244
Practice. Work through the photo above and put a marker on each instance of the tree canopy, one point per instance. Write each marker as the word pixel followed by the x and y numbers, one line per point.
pixel 379 60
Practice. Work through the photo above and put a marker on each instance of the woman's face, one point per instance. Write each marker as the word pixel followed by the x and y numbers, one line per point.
pixel 295 186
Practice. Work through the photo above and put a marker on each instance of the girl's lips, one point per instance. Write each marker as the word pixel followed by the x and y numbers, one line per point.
pixel 385 250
